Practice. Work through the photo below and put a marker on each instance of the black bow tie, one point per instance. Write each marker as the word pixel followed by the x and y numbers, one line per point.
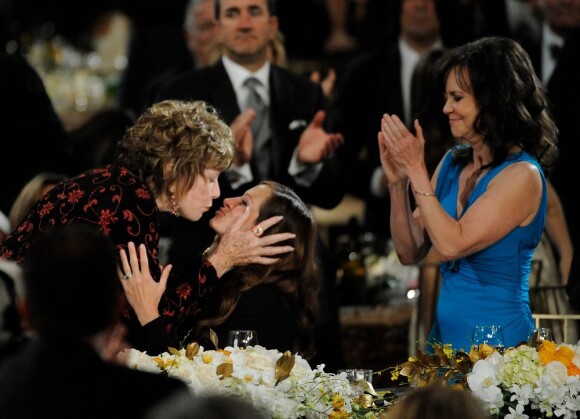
pixel 555 51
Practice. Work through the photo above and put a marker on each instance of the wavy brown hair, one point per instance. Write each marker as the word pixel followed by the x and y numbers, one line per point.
pixel 295 274
pixel 173 142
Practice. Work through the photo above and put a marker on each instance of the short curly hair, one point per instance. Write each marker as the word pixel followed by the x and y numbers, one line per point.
pixel 173 142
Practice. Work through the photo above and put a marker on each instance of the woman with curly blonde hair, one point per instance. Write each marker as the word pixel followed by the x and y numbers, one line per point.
pixel 169 160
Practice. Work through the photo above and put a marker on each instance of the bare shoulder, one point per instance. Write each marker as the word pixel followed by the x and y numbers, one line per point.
pixel 521 178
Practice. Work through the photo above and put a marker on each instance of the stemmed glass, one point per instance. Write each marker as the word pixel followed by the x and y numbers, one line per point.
pixel 491 335
pixel 537 336
pixel 242 338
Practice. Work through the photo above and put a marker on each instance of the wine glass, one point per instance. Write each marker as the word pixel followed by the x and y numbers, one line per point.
pixel 491 335
pixel 242 338
pixel 537 336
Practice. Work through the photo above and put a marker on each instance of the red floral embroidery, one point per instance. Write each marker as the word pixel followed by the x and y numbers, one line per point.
pixel 127 215
pixel 142 193
pixel 75 196
pixel 46 209
pixel 184 290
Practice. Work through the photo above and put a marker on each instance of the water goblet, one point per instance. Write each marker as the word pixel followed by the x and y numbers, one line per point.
pixel 537 336
pixel 491 335
pixel 242 338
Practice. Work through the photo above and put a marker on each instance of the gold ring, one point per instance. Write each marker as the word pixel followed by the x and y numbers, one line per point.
pixel 258 230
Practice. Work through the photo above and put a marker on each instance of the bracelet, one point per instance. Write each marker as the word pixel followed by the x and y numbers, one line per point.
pixel 423 193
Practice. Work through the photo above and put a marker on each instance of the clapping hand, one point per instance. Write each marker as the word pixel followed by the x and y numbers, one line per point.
pixel 315 143
pixel 242 131
pixel 399 148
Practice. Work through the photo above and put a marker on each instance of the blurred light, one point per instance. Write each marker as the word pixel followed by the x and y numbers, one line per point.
pixel 413 294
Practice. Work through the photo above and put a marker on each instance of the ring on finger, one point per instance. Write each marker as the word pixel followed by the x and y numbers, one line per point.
pixel 126 277
pixel 258 230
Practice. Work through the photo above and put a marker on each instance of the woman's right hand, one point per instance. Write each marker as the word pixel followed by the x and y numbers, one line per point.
pixel 142 291
pixel 393 173
pixel 238 247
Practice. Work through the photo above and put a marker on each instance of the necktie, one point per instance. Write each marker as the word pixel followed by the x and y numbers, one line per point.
pixel 260 129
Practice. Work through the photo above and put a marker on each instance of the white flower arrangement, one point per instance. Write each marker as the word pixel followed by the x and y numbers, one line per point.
pixel 529 383
pixel 280 385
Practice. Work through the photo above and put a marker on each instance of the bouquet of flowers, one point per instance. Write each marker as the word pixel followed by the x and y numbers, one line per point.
pixel 525 382
pixel 280 385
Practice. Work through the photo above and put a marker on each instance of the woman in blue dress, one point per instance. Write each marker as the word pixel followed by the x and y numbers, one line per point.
pixel 484 209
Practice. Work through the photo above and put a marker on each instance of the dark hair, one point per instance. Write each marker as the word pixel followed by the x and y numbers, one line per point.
pixel 70 280
pixel 513 107
pixel 270 4
pixel 296 273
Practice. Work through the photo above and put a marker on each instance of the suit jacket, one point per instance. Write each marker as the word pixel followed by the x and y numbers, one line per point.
pixel 55 378
pixel 371 87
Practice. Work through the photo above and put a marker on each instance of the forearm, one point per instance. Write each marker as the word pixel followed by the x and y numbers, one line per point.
pixel 406 233
pixel 442 229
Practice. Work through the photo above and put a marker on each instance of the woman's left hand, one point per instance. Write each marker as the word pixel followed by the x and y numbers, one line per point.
pixel 142 291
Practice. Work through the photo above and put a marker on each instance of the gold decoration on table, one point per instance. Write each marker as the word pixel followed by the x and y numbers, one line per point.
pixel 284 366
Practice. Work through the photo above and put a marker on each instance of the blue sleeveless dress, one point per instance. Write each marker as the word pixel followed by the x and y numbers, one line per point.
pixel 489 287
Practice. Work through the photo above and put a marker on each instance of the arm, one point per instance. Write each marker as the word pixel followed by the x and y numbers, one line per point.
pixel 512 198
pixel 557 231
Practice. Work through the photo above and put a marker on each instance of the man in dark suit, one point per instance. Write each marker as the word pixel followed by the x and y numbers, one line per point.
pixel 376 83
pixel 556 57
pixel 244 29
pixel 72 304
pixel 293 149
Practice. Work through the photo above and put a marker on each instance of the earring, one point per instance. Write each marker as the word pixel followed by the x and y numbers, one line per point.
pixel 174 206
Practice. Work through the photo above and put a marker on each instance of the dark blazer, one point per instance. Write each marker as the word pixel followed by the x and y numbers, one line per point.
pixel 67 379
pixel 370 87
pixel 293 98
pixel 563 92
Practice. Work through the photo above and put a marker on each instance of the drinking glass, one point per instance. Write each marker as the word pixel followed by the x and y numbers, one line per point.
pixel 242 338
pixel 491 335
pixel 537 336
pixel 353 375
